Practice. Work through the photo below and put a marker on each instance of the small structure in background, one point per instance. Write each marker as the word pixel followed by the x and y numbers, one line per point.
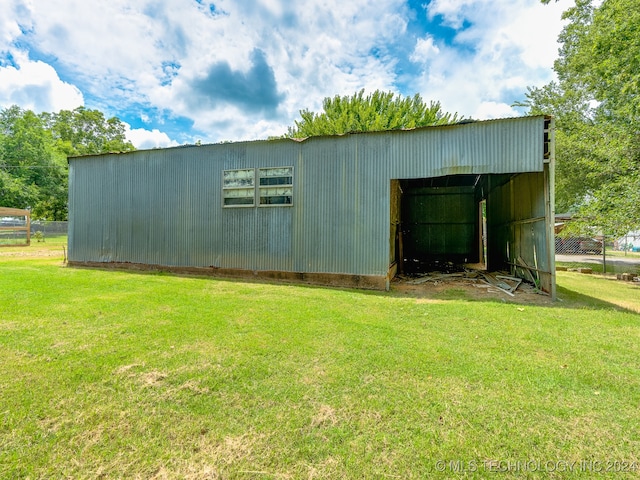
pixel 629 243
pixel 15 227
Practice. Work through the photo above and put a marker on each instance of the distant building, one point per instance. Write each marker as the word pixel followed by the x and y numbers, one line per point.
pixel 346 210
pixel 630 242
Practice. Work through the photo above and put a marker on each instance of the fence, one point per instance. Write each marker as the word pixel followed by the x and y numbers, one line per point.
pixel 13 231
pixel 606 255
pixel 578 246
pixel 43 229
pixel 14 226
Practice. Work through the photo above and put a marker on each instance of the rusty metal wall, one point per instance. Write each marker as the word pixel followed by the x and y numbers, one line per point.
pixel 164 207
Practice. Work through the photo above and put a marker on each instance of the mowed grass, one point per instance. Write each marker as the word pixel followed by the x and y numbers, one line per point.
pixel 612 269
pixel 109 374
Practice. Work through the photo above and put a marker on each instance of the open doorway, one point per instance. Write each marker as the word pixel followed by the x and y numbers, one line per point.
pixel 440 223
pixel 493 222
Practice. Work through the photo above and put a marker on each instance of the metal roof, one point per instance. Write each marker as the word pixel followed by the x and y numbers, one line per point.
pixel 342 135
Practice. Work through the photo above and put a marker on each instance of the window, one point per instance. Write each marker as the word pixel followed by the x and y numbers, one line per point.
pixel 238 188
pixel 276 186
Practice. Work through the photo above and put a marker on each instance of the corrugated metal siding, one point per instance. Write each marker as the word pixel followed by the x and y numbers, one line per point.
pixel 440 224
pixel 516 214
pixel 498 146
pixel 164 207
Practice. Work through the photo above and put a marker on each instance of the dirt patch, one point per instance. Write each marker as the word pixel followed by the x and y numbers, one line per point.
pixel 32 252
pixel 435 287
pixel 326 416
pixel 153 378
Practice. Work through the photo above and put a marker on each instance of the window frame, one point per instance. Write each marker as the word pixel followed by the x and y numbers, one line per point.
pixel 226 187
pixel 263 188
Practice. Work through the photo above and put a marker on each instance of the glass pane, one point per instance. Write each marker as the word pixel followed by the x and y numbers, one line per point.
pixel 238 201
pixel 276 172
pixel 273 191
pixel 239 193
pixel 238 178
pixel 277 200
pixel 276 181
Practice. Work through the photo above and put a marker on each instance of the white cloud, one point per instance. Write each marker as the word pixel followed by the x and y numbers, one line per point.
pixel 153 58
pixel 13 13
pixel 488 110
pixel 36 86
pixel 147 139
pixel 9 30
pixel 523 30
pixel 508 46
pixel 425 50
pixel 455 12
pixel 314 50
pixel 112 50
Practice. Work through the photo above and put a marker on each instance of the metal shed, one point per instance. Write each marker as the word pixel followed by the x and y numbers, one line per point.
pixel 347 210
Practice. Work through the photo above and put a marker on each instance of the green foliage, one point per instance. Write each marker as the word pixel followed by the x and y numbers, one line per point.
pixel 34 149
pixel 597 110
pixel 600 55
pixel 374 112
pixel 31 171
pixel 85 132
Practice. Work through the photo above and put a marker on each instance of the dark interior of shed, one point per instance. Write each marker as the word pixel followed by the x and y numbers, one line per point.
pixel 439 223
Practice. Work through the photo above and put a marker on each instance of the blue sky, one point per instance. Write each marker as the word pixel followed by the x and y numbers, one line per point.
pixel 179 71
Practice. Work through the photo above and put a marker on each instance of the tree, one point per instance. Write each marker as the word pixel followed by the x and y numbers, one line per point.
pixel 376 111
pixel 34 150
pixel 85 132
pixel 596 102
pixel 30 170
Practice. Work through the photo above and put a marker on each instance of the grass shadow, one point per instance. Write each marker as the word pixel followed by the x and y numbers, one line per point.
pixel 567 298
pixel 454 291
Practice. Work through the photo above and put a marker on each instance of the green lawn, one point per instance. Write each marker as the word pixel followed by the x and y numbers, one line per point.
pixel 110 374
pixel 617 253
pixel 597 268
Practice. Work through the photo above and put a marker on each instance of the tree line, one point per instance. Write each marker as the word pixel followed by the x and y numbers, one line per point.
pixel 34 149
pixel 374 112
pixel 596 103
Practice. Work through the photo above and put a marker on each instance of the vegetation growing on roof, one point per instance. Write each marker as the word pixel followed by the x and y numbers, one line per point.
pixel 373 112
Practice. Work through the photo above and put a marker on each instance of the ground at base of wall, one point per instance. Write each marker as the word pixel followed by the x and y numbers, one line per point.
pixel 471 285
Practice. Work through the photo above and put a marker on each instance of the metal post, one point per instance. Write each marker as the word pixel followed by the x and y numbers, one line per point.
pixel 604 254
